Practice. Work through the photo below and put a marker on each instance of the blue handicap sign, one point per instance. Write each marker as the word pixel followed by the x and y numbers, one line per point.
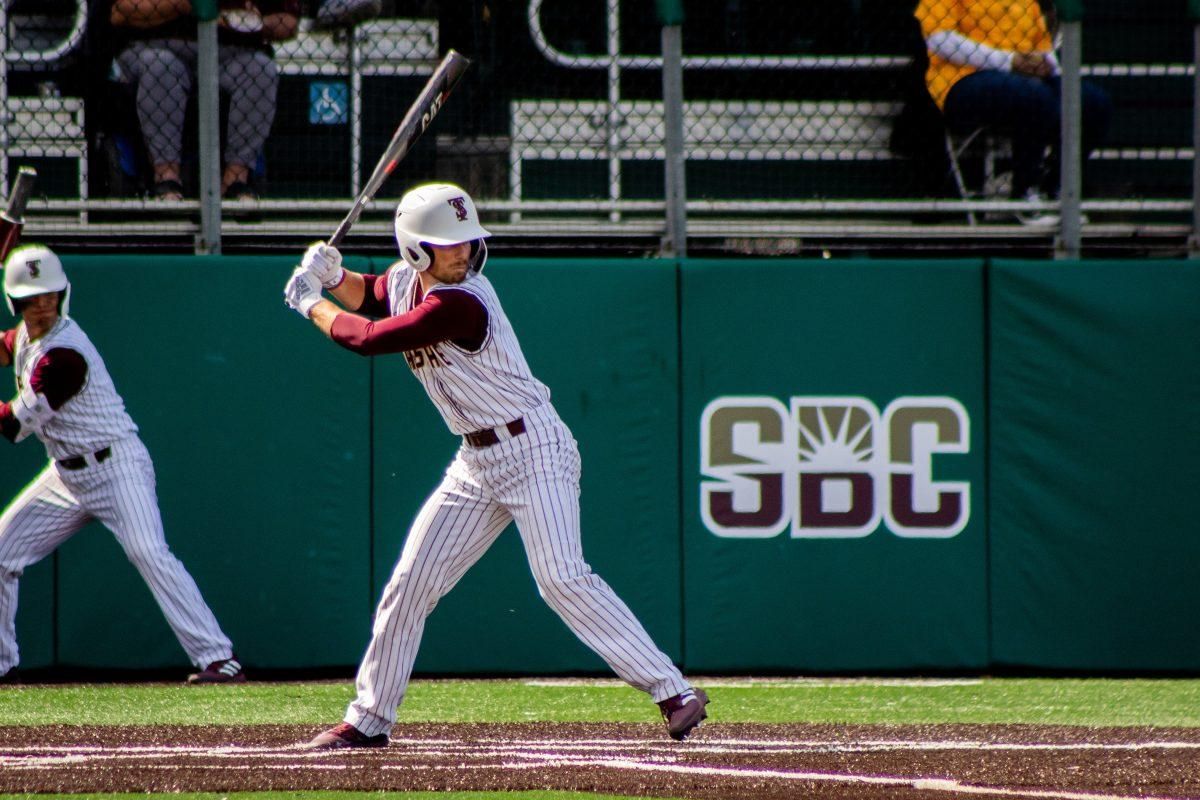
pixel 328 103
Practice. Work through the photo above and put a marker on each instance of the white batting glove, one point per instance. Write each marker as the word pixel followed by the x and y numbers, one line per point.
pixel 302 292
pixel 325 264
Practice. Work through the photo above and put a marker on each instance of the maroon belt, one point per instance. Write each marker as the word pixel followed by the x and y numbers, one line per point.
pixel 488 436
pixel 79 462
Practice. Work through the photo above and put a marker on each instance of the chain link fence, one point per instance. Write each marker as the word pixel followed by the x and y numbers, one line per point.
pixel 893 111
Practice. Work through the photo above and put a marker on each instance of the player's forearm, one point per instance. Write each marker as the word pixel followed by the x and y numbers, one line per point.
pixel 322 315
pixel 351 291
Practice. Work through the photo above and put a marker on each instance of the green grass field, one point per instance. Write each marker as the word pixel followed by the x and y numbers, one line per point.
pixel 1076 702
pixel 1089 702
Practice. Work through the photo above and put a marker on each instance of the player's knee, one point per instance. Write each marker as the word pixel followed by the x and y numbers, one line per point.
pixel 147 554
pixel 554 585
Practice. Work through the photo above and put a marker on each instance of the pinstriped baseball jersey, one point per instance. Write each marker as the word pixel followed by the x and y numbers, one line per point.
pixel 93 418
pixel 471 390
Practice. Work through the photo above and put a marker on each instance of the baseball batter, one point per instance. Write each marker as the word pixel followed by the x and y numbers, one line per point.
pixel 99 468
pixel 518 461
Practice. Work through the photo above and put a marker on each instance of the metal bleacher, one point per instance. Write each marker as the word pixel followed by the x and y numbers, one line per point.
pixel 44 127
pixel 378 48
pixel 829 162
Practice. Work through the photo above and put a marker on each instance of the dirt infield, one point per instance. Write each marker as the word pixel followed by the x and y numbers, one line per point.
pixel 722 761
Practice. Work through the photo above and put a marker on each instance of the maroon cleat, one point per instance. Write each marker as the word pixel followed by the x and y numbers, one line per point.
pixel 226 671
pixel 684 712
pixel 343 736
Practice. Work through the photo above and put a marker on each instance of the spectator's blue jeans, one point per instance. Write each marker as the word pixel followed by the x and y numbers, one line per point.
pixel 1028 110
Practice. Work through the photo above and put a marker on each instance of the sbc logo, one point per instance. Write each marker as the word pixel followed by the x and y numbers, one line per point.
pixel 831 467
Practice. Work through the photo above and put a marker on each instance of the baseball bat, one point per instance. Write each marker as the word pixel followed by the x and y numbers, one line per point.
pixel 418 117
pixel 12 219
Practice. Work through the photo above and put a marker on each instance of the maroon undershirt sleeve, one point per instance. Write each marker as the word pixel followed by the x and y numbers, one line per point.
pixel 9 427
pixel 375 298
pixel 58 376
pixel 8 342
pixel 445 315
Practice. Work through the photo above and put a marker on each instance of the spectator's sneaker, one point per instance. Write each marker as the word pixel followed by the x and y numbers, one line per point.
pixel 226 671
pixel 344 13
pixel 239 190
pixel 169 190
pixel 1037 217
pixel 344 736
pixel 684 712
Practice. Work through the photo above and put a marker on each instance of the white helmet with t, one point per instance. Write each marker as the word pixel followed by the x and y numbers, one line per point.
pixel 438 213
pixel 34 269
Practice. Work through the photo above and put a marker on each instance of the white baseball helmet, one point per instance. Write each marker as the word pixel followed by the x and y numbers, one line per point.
pixel 438 213
pixel 33 269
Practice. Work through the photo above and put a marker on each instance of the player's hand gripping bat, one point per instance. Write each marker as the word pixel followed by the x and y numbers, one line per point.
pixel 420 114
pixel 12 219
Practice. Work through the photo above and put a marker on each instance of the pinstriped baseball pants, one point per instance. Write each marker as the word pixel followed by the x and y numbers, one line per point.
pixel 120 494
pixel 533 480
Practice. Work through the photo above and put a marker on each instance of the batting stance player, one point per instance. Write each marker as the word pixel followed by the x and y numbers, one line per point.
pixel 99 468
pixel 518 461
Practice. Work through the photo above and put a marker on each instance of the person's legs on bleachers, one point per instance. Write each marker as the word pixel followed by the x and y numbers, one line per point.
pixel 162 71
pixel 251 78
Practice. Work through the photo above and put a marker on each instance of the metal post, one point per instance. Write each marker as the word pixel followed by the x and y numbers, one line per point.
pixel 675 241
pixel 615 121
pixel 356 109
pixel 1194 239
pixel 1069 243
pixel 209 240
pixel 3 98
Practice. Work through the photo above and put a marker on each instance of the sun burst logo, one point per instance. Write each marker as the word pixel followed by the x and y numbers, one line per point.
pixel 832 467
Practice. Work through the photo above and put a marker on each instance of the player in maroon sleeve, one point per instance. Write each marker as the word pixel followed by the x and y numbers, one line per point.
pixel 518 461
pixel 99 469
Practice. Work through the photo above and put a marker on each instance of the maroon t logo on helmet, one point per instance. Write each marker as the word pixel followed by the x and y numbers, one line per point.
pixel 460 207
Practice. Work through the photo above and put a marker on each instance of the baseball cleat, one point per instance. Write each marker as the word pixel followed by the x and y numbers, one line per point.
pixel 344 736
pixel 684 712
pixel 225 671
pixel 11 678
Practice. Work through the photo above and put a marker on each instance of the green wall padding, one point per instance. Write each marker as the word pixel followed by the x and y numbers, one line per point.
pixel 603 336
pixel 1094 390
pixel 920 521
pixel 835 335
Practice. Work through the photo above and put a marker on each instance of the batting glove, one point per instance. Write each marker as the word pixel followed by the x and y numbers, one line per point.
pixel 325 263
pixel 302 292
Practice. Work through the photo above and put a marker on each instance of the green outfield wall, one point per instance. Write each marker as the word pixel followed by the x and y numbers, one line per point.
pixel 792 466
pixel 1095 387
pixel 823 404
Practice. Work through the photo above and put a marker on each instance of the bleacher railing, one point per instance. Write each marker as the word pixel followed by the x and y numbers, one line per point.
pixel 775 144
